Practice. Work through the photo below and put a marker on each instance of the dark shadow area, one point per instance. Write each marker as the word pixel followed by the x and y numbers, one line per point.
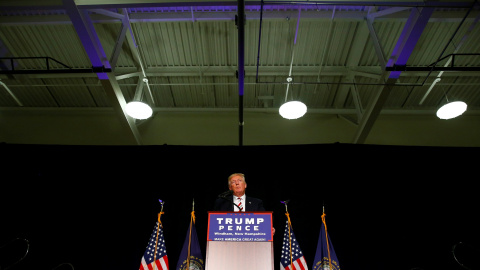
pixel 94 207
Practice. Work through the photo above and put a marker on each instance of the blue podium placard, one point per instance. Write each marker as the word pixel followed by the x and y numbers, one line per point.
pixel 240 226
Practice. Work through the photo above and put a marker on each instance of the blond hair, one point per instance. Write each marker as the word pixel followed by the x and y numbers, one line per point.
pixel 236 174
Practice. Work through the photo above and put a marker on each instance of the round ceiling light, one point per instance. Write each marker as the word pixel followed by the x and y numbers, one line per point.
pixel 138 110
pixel 292 110
pixel 452 110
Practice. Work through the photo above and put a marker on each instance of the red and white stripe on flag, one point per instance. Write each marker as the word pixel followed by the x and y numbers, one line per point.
pixel 160 264
pixel 292 257
pixel 298 264
pixel 155 249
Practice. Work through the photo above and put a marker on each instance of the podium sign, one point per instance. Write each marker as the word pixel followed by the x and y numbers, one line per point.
pixel 239 241
pixel 240 226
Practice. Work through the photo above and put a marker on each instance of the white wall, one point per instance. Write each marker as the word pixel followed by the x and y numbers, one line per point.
pixel 77 127
pixel 426 130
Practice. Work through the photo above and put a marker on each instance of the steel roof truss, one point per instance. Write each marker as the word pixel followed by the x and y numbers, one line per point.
pixel 409 37
pixel 91 43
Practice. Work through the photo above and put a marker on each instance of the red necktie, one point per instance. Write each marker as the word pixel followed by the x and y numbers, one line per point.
pixel 240 204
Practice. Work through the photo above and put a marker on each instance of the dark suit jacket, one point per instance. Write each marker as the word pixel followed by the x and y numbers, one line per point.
pixel 252 204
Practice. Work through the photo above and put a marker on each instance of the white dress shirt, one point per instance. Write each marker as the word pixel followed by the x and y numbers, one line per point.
pixel 235 201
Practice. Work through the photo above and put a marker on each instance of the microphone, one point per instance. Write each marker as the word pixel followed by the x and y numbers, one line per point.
pixel 225 194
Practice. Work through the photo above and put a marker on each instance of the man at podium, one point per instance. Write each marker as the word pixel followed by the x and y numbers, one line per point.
pixel 239 241
pixel 235 199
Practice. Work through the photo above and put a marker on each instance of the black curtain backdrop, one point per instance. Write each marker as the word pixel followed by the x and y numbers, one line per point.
pixel 94 207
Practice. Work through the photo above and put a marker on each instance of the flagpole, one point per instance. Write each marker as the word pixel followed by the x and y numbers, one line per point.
pixel 158 229
pixel 326 237
pixel 192 218
pixel 289 233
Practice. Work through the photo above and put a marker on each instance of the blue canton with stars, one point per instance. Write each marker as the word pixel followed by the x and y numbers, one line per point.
pixel 296 251
pixel 161 250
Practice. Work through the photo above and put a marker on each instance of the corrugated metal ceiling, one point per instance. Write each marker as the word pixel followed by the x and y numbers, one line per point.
pixel 336 54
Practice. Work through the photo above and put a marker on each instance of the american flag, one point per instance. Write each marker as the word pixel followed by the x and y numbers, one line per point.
pixel 297 258
pixel 161 259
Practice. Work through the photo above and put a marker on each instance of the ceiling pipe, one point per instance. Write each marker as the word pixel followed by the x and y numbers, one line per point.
pixel 259 38
pixel 251 83
pixel 457 48
pixel 289 78
pixel 327 41
pixel 429 89
pixel 450 41
pixel 381 3
pixel 34 5
pixel 241 66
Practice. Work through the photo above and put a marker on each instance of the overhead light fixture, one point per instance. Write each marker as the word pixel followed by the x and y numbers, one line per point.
pixel 138 110
pixel 452 110
pixel 292 109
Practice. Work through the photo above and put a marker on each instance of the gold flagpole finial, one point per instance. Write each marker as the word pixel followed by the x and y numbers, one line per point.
pixel 285 202
pixel 158 229
pixel 193 210
pixel 161 203
pixel 161 212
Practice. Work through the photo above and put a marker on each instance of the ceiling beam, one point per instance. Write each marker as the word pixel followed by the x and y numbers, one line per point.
pixel 5 52
pixel 373 72
pixel 409 37
pixel 91 43
pixel 132 44
pixel 386 12
pixel 120 39
pixel 115 95
pixel 352 83
pixel 376 43
pixel 32 15
pixel 357 48
pixel 121 73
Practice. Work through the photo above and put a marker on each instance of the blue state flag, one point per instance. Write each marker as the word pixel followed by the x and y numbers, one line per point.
pixel 191 256
pixel 325 257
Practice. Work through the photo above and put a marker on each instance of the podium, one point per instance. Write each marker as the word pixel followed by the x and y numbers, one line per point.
pixel 239 240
